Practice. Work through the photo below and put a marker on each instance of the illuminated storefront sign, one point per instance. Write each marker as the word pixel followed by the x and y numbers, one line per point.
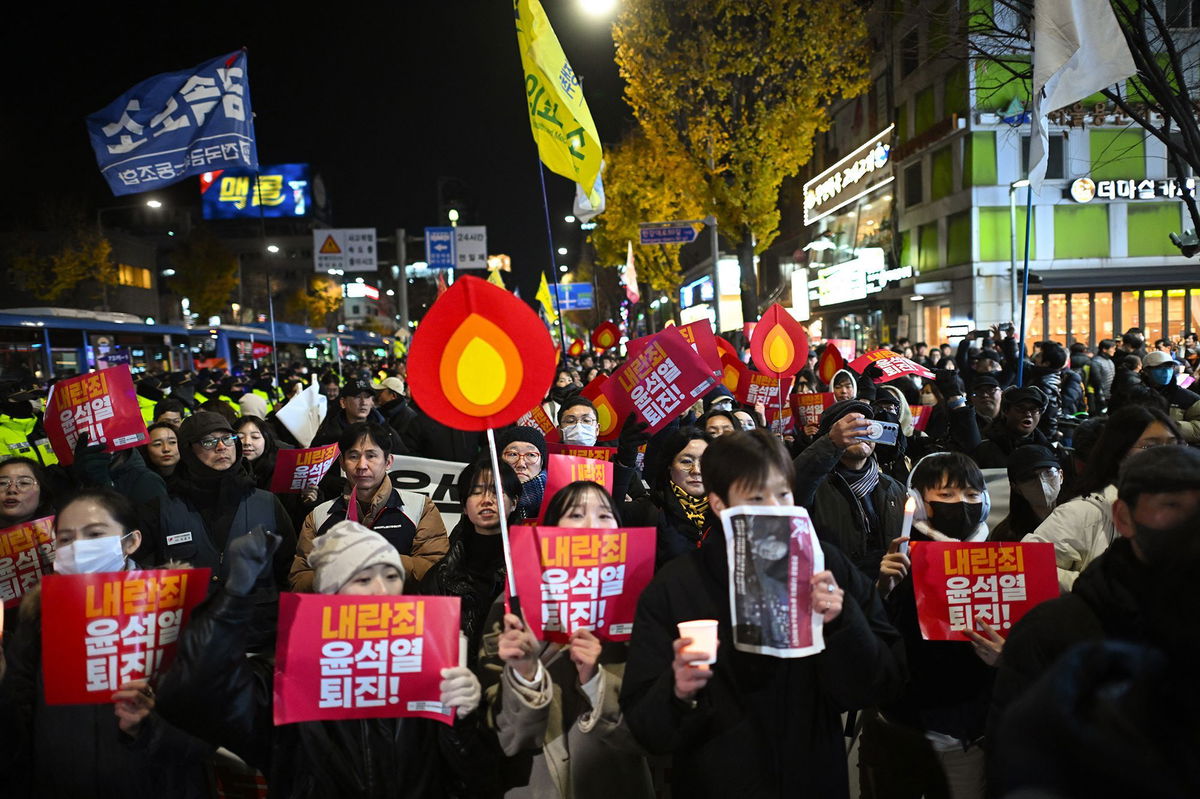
pixel 283 190
pixel 867 168
pixel 854 280
pixel 1084 190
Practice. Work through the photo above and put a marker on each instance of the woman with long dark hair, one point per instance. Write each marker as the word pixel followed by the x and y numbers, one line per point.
pixel 1083 528
pixel 677 504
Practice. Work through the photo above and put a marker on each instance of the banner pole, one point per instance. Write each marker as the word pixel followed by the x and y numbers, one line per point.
pixel 1024 289
pixel 511 576
pixel 562 331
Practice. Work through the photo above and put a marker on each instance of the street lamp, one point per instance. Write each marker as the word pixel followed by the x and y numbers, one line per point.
pixel 568 218
pixel 1012 229
pixel 562 250
pixel 598 8
pixel 272 248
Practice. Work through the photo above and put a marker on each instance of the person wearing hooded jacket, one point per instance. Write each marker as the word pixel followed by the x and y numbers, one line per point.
pixel 211 502
pixel 217 694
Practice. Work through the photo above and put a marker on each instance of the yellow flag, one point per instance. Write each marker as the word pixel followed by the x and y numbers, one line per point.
pixel 495 279
pixel 546 298
pixel 562 125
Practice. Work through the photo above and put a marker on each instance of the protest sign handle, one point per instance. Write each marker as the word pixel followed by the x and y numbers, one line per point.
pixel 514 605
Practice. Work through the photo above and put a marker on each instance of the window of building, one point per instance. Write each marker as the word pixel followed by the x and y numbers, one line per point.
pixel 1081 319
pixel 1102 310
pixel 914 191
pixel 1035 322
pixel 135 276
pixel 1176 320
pixel 1152 314
pixel 1182 14
pixel 1177 140
pixel 1131 310
pixel 1054 167
pixel 910 52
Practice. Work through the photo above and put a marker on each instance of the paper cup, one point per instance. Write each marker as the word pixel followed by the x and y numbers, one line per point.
pixel 703 633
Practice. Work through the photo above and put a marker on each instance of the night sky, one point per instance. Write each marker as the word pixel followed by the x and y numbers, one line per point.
pixel 382 100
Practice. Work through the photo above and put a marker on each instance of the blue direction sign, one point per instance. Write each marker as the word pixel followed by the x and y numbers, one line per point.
pixel 573 296
pixel 439 248
pixel 667 234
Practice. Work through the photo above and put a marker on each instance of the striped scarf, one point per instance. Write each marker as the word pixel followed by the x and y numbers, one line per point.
pixel 530 504
pixel 862 484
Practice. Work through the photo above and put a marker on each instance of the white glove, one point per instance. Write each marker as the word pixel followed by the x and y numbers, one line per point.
pixel 460 689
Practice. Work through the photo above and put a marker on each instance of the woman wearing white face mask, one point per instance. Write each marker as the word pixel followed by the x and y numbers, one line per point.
pixel 123 749
pixel 1035 478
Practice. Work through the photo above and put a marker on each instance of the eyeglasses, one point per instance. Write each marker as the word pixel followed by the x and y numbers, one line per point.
pixel 579 420
pixel 22 483
pixel 211 443
pixel 528 457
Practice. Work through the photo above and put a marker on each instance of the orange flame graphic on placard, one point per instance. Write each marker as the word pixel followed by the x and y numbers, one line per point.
pixel 465 367
pixel 576 348
pixel 606 335
pixel 607 416
pixel 780 346
pixel 830 362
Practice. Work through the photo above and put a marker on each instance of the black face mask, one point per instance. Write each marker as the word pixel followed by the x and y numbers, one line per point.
pixel 956 519
pixel 1172 548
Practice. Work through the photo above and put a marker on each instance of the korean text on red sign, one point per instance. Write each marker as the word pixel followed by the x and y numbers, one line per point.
pixel 959 584
pixel 891 364
pixel 581 578
pixel 762 388
pixel 662 380
pixel 101 404
pixel 537 419
pixel 26 553
pixel 298 469
pixel 357 657
pixel 808 407
pixel 580 451
pixel 562 470
pixel 99 631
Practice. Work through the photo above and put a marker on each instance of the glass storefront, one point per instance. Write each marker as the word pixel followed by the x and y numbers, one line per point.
pixel 1089 316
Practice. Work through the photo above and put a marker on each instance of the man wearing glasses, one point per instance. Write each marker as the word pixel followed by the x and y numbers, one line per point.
pixel 209 503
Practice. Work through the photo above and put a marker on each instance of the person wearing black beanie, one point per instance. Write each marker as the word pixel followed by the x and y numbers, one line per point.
pixel 524 449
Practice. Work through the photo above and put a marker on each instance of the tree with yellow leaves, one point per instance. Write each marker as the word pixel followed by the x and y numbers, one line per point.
pixel 313 305
pixel 84 255
pixel 739 89
pixel 206 272
pixel 644 183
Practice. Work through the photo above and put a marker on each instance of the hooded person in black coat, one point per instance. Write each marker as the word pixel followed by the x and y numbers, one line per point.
pixel 754 725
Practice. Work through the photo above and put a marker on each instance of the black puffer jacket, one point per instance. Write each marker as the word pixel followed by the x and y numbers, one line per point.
pixel 476 576
pixel 79 750
pixel 218 694
pixel 839 516
pixel 675 533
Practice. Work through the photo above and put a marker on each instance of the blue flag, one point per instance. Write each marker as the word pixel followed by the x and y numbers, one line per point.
pixel 175 125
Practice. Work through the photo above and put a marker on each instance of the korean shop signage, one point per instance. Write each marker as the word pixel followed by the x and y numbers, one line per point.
pixel 867 168
pixel 1084 190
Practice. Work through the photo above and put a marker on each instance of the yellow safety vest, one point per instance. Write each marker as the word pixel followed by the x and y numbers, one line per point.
pixel 15 432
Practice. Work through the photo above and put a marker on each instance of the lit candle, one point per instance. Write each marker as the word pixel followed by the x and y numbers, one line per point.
pixel 910 508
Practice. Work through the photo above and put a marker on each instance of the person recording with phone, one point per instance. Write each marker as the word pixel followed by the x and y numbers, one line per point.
pixel 852 502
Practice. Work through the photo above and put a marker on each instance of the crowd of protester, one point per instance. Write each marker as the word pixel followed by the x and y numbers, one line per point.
pixel 1091 694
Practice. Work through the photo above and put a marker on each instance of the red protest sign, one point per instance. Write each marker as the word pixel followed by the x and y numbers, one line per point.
pixel 579 578
pixel 700 335
pixel 361 657
pixel 26 553
pixel 920 415
pixel 809 407
pixel 774 423
pixel 845 347
pixel 562 470
pixel 758 387
pixel 536 418
pixel 830 363
pixel 259 350
pixel 606 335
pixel 580 451
pixel 102 404
pixel 958 583
pixel 99 631
pixel 298 469
pixel 609 411
pixel 733 373
pixel 891 364
pixel 662 380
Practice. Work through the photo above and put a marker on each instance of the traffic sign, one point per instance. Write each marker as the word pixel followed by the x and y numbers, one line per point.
pixel 666 233
pixel 456 247
pixel 345 249
pixel 439 247
pixel 573 296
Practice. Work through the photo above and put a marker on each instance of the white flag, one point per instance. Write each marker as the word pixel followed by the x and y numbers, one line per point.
pixel 631 284
pixel 304 412
pixel 1078 49
pixel 584 210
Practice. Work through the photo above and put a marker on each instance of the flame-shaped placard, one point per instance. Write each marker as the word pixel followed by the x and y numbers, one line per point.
pixel 576 348
pixel 607 415
pixel 733 372
pixel 606 336
pixel 829 363
pixel 780 346
pixel 465 367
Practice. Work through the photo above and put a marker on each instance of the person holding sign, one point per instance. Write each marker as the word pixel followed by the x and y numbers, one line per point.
pixel 562 702
pixel 408 520
pixel 215 692
pixel 929 741
pixel 125 749
pixel 750 724
pixel 211 503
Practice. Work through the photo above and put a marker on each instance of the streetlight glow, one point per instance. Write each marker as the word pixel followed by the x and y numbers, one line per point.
pixel 598 8
pixel 272 248
pixel 562 268
pixel 154 203
pixel 562 250
pixel 568 218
